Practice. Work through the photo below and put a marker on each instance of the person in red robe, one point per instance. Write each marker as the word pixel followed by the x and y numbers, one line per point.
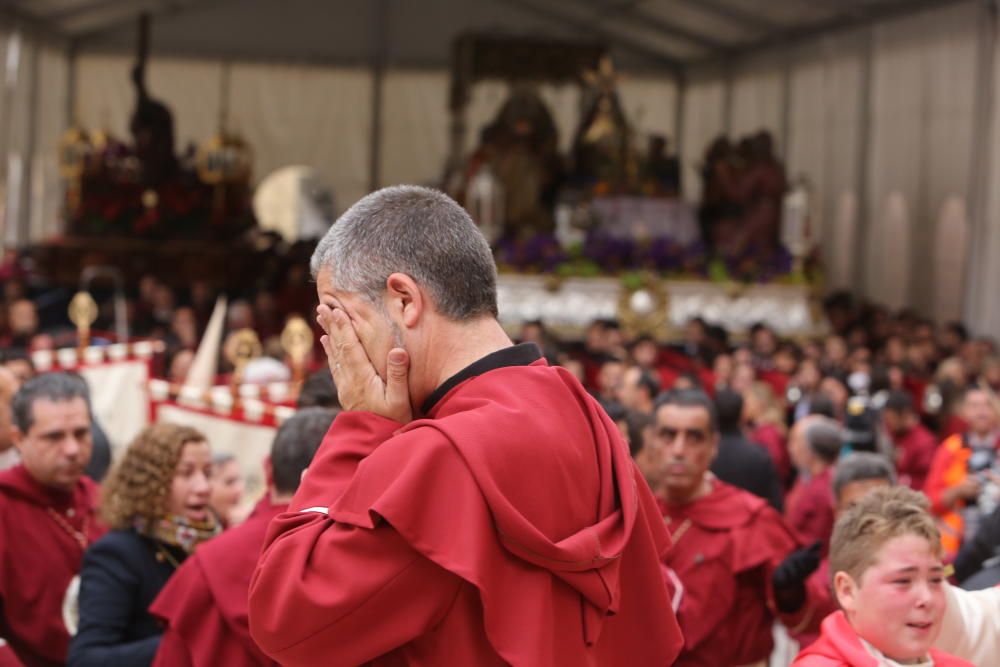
pixel 204 605
pixel 505 524
pixel 853 477
pixel 889 579
pixel 764 419
pixel 814 447
pixel 48 518
pixel 731 548
pixel 914 443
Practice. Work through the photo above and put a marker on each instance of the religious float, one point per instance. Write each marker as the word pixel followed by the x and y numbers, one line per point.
pixel 142 208
pixel 602 233
pixel 597 232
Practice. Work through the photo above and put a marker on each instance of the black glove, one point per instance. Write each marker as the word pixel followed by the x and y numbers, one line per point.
pixel 789 578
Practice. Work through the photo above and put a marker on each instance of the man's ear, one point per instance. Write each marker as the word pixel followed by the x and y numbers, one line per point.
pixel 269 472
pixel 16 437
pixel 846 590
pixel 404 299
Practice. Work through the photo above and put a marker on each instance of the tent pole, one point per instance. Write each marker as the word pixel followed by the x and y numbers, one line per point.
pixel 864 208
pixel 379 57
pixel 72 55
pixel 786 105
pixel 727 99
pixel 977 291
pixel 28 160
pixel 682 84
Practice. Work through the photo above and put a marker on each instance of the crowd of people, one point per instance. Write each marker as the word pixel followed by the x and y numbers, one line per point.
pixel 81 564
pixel 833 486
pixel 755 447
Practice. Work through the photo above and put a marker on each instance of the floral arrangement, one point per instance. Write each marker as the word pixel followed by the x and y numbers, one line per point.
pixel 604 254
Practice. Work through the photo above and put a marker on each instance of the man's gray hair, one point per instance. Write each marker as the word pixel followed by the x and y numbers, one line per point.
pixel 861 467
pixel 55 387
pixel 825 438
pixel 417 231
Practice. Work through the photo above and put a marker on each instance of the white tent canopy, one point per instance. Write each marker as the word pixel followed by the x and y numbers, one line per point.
pixel 418 33
pixel 886 105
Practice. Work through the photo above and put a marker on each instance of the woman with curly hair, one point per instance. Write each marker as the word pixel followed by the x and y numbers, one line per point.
pixel 156 502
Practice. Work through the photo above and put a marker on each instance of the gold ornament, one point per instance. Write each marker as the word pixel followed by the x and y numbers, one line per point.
pixel 75 152
pixel 225 158
pixel 83 313
pixel 150 198
pixel 297 341
pixel 645 309
pixel 240 348
pixel 75 149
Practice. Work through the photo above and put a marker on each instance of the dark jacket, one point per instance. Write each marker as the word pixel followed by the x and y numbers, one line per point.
pixel 121 577
pixel 981 548
pixel 747 466
pixel 100 454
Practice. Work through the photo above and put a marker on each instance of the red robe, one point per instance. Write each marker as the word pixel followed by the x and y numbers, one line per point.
pixel 809 509
pixel 777 380
pixel 839 646
pixel 770 438
pixel 204 605
pixel 726 546
pixel 510 526
pixel 38 559
pixel 7 657
pixel 915 451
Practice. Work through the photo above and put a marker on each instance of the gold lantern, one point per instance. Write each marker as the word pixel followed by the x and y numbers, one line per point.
pixel 75 151
pixel 223 160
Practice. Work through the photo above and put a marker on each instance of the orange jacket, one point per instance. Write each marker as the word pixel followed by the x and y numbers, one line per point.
pixel 949 468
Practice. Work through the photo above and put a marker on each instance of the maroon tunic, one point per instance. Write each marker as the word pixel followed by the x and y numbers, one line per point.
pixel 726 546
pixel 809 509
pixel 509 527
pixel 39 557
pixel 771 439
pixel 915 451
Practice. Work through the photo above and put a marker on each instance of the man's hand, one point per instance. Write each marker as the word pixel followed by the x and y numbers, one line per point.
pixel 359 386
pixel 789 578
pixel 968 490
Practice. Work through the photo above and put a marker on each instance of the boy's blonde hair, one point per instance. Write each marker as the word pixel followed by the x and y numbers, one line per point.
pixel 881 515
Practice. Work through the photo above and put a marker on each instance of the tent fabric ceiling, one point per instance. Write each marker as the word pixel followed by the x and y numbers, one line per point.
pixel 671 34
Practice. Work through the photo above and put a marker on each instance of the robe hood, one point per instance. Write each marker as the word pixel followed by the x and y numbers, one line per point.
pixel 526 450
pixel 725 508
pixel 587 558
pixel 19 483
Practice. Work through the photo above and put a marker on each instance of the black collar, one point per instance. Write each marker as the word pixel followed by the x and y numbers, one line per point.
pixel 524 354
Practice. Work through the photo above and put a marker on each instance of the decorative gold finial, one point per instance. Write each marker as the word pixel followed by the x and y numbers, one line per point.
pixel 83 313
pixel 239 349
pixel 297 341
